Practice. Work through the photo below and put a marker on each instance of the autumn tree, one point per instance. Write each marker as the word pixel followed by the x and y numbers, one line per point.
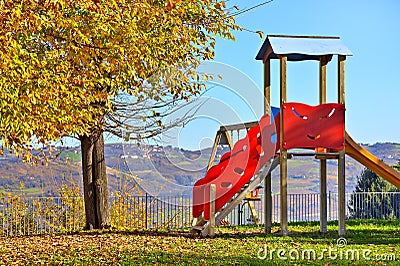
pixel 78 68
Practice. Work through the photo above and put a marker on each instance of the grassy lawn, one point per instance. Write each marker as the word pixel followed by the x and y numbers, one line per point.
pixel 375 242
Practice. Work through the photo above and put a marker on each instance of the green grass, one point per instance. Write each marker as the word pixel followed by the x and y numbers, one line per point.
pixel 230 246
pixel 33 191
pixel 72 156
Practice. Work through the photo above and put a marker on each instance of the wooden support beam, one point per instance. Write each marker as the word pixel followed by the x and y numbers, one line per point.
pixel 268 203
pixel 229 139
pixel 240 126
pixel 341 194
pixel 322 79
pixel 328 156
pixel 267 179
pixel 341 79
pixel 322 188
pixel 318 155
pixel 267 86
pixel 341 161
pixel 214 150
pixel 211 228
pixel 283 151
pixel 323 210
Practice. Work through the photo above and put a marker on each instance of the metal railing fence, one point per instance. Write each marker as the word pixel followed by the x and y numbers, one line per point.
pixel 21 215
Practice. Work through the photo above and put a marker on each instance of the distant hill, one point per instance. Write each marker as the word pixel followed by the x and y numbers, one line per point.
pixel 166 170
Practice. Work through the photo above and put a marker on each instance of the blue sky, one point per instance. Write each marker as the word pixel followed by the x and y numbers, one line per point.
pixel 368 28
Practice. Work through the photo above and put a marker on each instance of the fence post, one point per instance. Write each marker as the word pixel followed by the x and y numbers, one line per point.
pixel 145 211
pixel 330 206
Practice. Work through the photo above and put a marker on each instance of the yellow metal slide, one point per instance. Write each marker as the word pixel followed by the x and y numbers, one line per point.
pixel 371 162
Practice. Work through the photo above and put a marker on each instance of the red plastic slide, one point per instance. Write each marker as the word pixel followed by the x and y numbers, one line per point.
pixel 235 168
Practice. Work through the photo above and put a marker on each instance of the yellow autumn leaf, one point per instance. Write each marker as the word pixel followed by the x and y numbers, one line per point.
pixel 260 33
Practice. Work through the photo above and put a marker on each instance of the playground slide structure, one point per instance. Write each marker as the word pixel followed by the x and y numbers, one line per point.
pixel 371 162
pixel 319 128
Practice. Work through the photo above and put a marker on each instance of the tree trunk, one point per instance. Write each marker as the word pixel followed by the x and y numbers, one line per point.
pixel 95 188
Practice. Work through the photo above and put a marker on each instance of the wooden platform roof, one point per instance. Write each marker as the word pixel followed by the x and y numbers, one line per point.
pixel 299 48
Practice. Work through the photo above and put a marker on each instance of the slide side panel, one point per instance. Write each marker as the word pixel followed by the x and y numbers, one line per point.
pixel 371 162
pixel 311 127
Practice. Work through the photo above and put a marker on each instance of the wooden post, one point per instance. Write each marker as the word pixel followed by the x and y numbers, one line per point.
pixel 341 162
pixel 214 150
pixel 283 152
pixel 267 179
pixel 267 86
pixel 211 228
pixel 229 139
pixel 268 203
pixel 322 79
pixel 323 198
pixel 322 190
